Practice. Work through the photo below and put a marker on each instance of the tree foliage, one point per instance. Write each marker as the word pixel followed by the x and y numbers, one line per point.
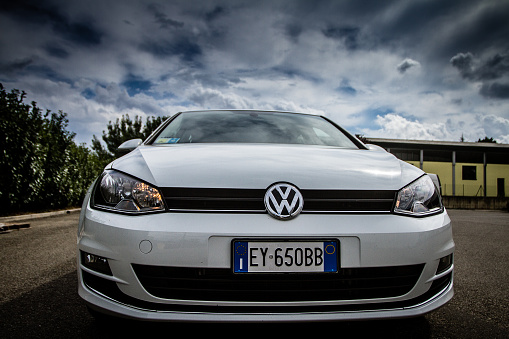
pixel 42 167
pixel 486 139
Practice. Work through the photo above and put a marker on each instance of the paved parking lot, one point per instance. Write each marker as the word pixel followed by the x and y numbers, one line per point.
pixel 38 296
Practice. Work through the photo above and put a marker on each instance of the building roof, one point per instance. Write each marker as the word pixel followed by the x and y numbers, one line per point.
pixel 431 144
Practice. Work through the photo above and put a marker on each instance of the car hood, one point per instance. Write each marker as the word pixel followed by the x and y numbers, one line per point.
pixel 261 165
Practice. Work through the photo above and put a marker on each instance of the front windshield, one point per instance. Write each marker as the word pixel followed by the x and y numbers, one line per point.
pixel 252 127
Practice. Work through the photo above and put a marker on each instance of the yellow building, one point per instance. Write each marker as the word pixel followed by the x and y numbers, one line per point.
pixel 464 168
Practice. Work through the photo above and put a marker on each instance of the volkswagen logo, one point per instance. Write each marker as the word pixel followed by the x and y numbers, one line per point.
pixel 283 201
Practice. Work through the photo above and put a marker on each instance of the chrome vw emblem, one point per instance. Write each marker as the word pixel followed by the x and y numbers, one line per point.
pixel 283 201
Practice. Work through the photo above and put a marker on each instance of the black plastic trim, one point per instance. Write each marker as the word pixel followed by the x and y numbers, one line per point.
pixel 181 199
pixel 109 290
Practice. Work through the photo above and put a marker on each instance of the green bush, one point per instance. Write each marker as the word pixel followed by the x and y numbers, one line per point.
pixel 41 166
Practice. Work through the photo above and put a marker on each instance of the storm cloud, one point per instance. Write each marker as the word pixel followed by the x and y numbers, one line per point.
pixel 410 69
pixel 493 73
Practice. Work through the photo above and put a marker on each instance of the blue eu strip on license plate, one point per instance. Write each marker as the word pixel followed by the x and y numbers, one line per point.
pixel 285 256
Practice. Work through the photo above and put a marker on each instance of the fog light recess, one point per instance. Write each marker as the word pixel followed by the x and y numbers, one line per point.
pixel 95 263
pixel 444 263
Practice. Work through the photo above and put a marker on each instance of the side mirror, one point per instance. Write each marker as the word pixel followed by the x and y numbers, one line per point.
pixel 129 145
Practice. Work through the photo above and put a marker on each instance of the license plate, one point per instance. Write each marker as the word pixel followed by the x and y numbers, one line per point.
pixel 285 256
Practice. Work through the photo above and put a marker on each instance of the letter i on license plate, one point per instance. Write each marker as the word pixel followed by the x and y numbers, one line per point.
pixel 285 256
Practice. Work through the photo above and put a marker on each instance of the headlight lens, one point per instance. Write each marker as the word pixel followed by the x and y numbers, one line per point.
pixel 120 192
pixel 419 198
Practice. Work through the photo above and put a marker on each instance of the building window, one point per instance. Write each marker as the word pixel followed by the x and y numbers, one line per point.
pixel 469 173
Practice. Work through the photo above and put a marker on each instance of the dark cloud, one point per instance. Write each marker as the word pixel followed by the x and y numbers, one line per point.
pixel 347 34
pixel 56 51
pixel 495 90
pixel 492 68
pixel 293 31
pixel 492 72
pixel 33 66
pixel 216 13
pixel 39 13
pixel 415 16
pixel 440 29
pixel 17 65
pixel 407 24
pixel 406 65
pixel 81 33
pixel 183 47
pixel 162 19
pixel 322 55
pixel 30 11
pixel 487 29
pixel 464 63
pixel 46 72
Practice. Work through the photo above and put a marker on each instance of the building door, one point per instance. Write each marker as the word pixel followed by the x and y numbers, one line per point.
pixel 500 187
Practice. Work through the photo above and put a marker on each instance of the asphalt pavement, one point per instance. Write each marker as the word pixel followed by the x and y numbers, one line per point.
pixel 38 294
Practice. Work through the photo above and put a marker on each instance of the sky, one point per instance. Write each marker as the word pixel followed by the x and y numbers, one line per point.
pixel 422 70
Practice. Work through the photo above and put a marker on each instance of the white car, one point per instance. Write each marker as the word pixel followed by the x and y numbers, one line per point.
pixel 251 216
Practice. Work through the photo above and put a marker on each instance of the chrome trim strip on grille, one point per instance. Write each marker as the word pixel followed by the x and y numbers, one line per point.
pixel 183 210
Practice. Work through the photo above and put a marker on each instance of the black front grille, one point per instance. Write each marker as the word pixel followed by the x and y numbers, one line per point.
pixel 110 289
pixel 347 201
pixel 222 285
pixel 251 200
pixel 214 199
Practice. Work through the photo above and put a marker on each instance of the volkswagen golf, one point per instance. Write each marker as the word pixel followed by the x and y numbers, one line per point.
pixel 254 216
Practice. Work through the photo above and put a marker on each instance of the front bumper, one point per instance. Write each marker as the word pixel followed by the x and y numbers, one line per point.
pixel 201 242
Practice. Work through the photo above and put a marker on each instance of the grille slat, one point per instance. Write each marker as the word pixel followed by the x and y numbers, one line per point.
pixel 223 285
pixel 251 200
pixel 110 289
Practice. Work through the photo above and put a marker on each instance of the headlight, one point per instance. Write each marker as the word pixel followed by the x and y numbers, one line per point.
pixel 119 192
pixel 419 198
